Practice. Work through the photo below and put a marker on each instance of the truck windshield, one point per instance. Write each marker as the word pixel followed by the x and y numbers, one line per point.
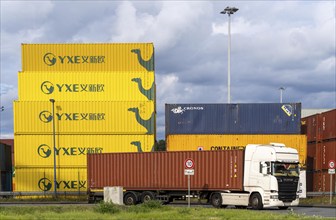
pixel 285 169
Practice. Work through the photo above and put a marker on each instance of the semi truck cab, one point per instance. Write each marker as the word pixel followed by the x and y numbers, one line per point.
pixel 271 178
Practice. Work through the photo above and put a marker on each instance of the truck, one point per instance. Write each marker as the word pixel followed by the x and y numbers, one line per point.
pixel 259 176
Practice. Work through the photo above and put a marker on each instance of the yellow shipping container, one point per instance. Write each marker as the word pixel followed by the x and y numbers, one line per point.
pixel 33 117
pixel 41 179
pixel 88 57
pixel 86 86
pixel 228 142
pixel 71 150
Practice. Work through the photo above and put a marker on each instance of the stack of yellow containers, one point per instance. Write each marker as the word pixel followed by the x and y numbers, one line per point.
pixel 104 101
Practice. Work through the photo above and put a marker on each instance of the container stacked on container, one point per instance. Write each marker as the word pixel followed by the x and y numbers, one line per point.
pixel 233 126
pixel 321 143
pixel 104 102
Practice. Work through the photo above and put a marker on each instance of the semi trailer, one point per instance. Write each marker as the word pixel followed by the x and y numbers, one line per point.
pixel 258 176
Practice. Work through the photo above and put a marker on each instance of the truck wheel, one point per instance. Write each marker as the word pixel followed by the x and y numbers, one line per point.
pixel 130 198
pixel 256 202
pixel 283 207
pixel 216 200
pixel 147 196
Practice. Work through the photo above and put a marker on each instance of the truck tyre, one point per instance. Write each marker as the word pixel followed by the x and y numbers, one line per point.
pixel 130 198
pixel 147 196
pixel 256 202
pixel 283 207
pixel 216 200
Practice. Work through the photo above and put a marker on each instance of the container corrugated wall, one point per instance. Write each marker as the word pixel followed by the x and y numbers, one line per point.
pixel 88 57
pixel 86 86
pixel 264 118
pixel 104 102
pixel 231 142
pixel 325 151
pixel 165 170
pixel 320 127
pixel 41 179
pixel 71 150
pixel 84 117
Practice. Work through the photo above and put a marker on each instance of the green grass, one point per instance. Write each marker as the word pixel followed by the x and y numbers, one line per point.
pixel 150 210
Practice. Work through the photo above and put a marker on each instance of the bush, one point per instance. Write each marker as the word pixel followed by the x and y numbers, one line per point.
pixel 107 207
pixel 153 204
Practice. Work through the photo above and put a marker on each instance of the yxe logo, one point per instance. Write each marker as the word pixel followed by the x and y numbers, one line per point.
pixel 45 116
pixel 180 110
pixel 45 184
pixel 50 59
pixel 44 151
pixel 288 109
pixel 48 87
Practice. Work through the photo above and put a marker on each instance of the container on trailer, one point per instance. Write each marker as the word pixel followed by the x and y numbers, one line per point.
pixel 86 86
pixel 71 150
pixel 165 170
pixel 88 57
pixel 194 142
pixel 35 117
pixel 41 179
pixel 264 118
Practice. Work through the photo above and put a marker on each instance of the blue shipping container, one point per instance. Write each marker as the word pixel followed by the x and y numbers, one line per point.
pixel 264 118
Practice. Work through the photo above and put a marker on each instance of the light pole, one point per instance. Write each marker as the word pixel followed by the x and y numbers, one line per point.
pixel 54 143
pixel 229 11
pixel 281 90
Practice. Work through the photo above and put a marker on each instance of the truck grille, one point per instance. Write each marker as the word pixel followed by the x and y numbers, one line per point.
pixel 287 188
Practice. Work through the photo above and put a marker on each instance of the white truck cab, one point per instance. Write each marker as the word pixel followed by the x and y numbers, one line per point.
pixel 271 178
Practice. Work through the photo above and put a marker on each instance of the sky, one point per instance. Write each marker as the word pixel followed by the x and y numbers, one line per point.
pixel 274 44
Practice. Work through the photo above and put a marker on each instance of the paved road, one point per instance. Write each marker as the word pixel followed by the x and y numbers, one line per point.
pixel 309 211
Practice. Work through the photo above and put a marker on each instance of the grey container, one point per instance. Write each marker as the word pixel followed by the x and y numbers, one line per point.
pixel 247 118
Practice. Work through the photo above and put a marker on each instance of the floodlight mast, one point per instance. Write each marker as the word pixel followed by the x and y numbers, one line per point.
pixel 229 11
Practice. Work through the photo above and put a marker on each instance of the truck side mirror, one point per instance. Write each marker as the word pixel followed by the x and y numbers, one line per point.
pixel 263 168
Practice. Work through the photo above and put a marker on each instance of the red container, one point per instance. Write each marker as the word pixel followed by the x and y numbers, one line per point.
pixel 311 156
pixel 325 152
pixel 309 181
pixel 322 182
pixel 319 127
pixel 309 126
pixel 214 170
pixel 328 125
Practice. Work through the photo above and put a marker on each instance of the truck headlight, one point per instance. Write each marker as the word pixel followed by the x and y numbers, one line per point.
pixel 274 197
